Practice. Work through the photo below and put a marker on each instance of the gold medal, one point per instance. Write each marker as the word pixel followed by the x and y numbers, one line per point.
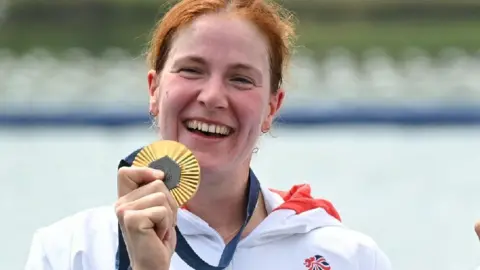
pixel 181 168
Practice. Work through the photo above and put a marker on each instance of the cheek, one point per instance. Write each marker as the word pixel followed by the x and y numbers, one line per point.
pixel 251 108
pixel 172 99
pixel 172 96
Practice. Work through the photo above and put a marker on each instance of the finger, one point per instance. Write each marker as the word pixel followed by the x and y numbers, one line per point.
pixel 136 222
pixel 130 178
pixel 477 229
pixel 163 219
pixel 156 186
pixel 171 202
pixel 141 222
pixel 160 187
pixel 171 239
pixel 152 187
pixel 148 201
pixel 137 228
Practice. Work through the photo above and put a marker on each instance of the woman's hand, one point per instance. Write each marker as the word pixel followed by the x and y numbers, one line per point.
pixel 147 214
pixel 477 229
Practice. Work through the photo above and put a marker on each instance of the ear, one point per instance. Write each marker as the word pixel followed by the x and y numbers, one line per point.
pixel 153 83
pixel 275 103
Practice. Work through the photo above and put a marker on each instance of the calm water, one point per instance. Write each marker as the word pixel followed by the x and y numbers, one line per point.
pixel 414 190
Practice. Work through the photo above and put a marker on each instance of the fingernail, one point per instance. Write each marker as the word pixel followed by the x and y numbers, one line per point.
pixel 158 174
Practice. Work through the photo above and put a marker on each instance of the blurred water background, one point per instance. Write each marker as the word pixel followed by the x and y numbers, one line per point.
pixel 382 117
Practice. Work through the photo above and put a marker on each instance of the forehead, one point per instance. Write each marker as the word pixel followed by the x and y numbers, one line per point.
pixel 223 40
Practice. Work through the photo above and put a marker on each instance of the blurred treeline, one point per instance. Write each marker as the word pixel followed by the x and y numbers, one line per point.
pixel 356 25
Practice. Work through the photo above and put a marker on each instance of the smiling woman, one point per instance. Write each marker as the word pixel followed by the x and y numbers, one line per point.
pixel 214 79
pixel 215 85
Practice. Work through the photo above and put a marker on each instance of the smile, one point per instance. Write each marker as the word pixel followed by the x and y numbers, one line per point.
pixel 208 129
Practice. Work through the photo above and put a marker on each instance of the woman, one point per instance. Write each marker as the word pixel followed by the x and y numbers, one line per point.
pixel 215 86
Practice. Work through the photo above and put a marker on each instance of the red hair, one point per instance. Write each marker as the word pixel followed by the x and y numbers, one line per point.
pixel 272 20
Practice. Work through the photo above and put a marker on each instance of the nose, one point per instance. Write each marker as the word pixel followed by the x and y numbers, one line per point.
pixel 213 95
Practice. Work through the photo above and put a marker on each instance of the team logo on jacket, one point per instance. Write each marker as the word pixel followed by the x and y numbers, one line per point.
pixel 316 262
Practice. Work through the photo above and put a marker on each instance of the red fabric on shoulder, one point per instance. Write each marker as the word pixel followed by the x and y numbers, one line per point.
pixel 299 199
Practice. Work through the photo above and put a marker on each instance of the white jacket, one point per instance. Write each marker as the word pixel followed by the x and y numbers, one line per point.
pixel 299 233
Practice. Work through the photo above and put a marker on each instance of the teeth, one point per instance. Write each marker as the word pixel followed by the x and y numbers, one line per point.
pixel 212 129
pixel 194 124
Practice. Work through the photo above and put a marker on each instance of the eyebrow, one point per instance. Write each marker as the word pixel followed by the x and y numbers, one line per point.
pixel 202 61
pixel 195 59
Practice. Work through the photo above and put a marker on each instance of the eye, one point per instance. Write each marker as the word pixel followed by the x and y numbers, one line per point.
pixel 190 73
pixel 189 70
pixel 242 80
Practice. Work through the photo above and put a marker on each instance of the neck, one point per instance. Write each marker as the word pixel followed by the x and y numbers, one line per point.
pixel 221 202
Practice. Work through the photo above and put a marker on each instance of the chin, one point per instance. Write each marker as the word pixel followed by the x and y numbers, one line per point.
pixel 212 162
pixel 213 150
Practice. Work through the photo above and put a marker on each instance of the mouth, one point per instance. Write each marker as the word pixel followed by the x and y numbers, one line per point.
pixel 208 129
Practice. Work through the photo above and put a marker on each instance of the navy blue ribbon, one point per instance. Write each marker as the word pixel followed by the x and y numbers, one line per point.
pixel 183 249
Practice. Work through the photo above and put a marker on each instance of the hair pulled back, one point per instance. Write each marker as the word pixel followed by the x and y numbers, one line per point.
pixel 272 20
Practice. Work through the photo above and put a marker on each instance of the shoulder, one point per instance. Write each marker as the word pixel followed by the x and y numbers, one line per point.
pixel 347 245
pixel 87 222
pixel 323 232
pixel 73 240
